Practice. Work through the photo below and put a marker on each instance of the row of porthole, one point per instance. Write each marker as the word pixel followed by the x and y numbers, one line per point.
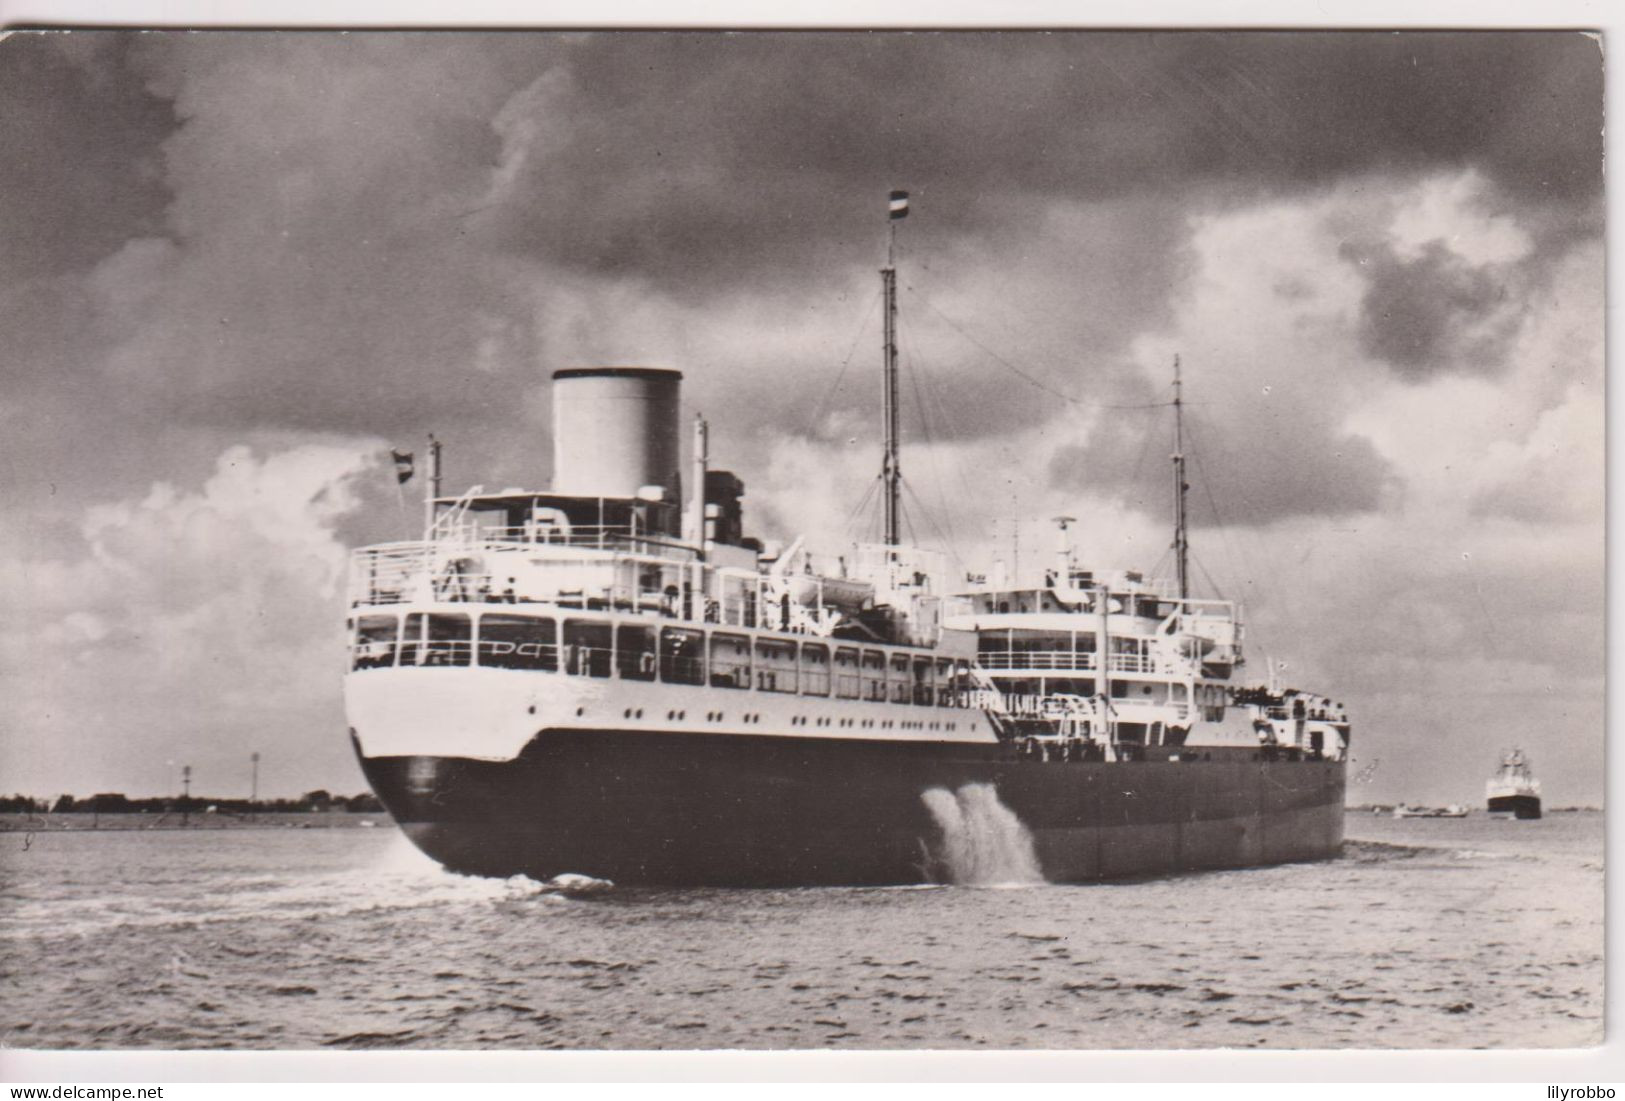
pixel 671 716
pixel 798 720
pixel 885 724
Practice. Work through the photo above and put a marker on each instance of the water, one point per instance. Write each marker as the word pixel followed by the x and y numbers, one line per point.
pixel 1426 933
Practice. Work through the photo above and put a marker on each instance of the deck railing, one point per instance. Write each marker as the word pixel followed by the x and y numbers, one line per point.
pixel 1036 659
pixel 1048 660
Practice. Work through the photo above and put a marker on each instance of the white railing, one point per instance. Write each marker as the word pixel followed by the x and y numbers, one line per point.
pixel 596 537
pixel 1036 659
pixel 1043 660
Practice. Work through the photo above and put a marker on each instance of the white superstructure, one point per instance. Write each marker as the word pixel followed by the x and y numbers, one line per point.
pixel 1112 664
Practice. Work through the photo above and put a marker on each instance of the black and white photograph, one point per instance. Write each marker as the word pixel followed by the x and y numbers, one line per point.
pixel 802 540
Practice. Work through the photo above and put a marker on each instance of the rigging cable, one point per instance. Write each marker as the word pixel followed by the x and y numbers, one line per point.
pixel 854 516
pixel 1018 372
pixel 953 552
pixel 915 373
pixel 829 394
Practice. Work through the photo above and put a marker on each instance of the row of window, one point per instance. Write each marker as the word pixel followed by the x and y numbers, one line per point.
pixel 1017 641
pixel 675 655
pixel 1042 600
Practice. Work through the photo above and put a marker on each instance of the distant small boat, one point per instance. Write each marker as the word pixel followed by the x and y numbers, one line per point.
pixel 1454 810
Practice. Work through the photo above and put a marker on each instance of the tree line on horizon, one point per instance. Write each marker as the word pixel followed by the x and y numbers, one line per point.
pixel 118 803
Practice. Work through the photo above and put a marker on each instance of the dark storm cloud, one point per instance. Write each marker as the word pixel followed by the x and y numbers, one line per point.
pixel 79 152
pixel 1433 313
pixel 700 159
pixel 1260 468
pixel 364 233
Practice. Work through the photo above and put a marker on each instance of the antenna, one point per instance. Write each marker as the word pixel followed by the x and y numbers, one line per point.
pixel 1181 540
pixel 1063 550
pixel 431 486
pixel 891 471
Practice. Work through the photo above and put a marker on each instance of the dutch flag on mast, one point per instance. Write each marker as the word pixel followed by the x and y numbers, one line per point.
pixel 898 207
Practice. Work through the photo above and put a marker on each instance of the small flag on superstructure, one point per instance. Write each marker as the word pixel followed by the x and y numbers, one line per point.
pixel 403 466
pixel 899 205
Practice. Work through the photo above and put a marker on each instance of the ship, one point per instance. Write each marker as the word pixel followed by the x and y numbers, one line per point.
pixel 610 678
pixel 1454 810
pixel 1513 790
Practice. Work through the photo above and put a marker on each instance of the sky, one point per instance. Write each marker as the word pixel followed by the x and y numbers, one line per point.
pixel 241 266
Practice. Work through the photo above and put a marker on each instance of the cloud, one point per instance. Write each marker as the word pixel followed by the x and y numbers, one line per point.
pixel 185 625
pixel 731 153
pixel 81 172
pixel 1435 312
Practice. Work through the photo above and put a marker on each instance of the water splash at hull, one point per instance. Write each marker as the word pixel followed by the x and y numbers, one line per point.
pixel 984 844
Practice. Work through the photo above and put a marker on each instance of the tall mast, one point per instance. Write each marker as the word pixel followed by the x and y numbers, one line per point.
pixel 1181 540
pixel 891 471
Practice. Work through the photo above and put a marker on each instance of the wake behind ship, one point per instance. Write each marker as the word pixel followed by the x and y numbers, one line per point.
pixel 611 678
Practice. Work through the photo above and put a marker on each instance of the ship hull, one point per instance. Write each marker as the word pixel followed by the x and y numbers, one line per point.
pixel 643 807
pixel 1519 806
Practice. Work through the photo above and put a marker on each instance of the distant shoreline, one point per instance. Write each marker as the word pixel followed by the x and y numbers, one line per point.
pixel 1384 808
pixel 87 821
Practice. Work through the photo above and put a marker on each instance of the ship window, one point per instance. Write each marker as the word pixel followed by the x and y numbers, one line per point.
pixel 375 637
pixel 587 647
pixel 993 649
pixel 848 682
pixel 1070 686
pixel 437 640
pixel 1119 689
pixel 1130 655
pixel 411 638
pixel 635 652
pixel 945 682
pixel 814 669
pixel 775 665
pixel 922 681
pixel 901 682
pixel 874 676
pixel 738 601
pixel 963 684
pixel 682 656
pixel 518 642
pixel 730 660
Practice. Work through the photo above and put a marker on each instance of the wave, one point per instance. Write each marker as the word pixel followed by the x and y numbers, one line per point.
pixel 401 878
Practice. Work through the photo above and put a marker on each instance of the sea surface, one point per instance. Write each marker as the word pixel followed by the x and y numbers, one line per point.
pixel 1425 933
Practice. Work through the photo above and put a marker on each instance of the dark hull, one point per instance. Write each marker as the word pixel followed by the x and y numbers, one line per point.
pixel 649 808
pixel 1521 806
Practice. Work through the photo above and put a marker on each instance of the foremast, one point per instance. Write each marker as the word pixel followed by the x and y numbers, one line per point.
pixel 1181 536
pixel 891 471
